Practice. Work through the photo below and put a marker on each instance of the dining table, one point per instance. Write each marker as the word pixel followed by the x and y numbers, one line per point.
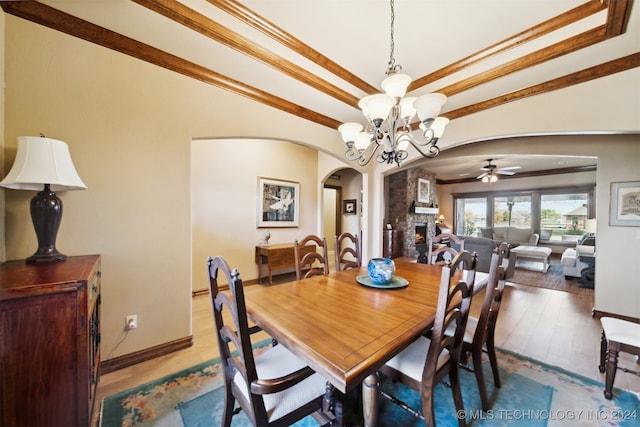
pixel 345 327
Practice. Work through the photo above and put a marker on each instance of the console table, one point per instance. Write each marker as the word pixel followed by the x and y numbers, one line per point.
pixel 277 257
pixel 50 341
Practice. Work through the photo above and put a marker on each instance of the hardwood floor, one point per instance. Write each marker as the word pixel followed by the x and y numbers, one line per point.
pixel 551 326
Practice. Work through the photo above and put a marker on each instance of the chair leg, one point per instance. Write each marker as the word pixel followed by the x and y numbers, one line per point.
pixel 454 377
pixel 611 367
pixel 229 402
pixel 493 359
pixel 476 355
pixel 603 352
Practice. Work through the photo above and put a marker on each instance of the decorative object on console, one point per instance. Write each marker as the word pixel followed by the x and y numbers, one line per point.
pixel 267 236
pixel 44 162
pixel 398 111
pixel 625 204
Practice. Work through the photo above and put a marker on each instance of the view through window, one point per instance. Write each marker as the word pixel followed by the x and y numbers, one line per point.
pixel 556 214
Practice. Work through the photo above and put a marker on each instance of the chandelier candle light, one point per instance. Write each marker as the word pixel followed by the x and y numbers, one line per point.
pixel 397 111
pixel 44 164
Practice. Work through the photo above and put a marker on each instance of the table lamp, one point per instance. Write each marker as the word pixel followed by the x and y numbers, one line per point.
pixel 44 162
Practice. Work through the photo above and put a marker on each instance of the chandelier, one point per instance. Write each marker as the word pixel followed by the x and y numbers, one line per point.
pixel 389 116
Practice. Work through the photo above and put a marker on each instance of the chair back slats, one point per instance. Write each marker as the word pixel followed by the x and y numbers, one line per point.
pixel 347 250
pixel 316 261
pixel 236 335
pixel 446 247
pixel 454 301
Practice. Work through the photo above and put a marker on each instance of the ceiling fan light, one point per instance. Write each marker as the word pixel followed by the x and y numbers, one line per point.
pixel 349 131
pixel 396 85
pixel 378 106
pixel 429 106
pixel 485 178
pixel 493 178
pixel 407 110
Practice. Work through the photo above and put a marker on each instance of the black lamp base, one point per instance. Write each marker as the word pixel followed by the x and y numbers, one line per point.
pixel 46 214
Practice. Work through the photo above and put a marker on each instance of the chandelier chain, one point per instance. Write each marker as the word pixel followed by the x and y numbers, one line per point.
pixel 392 67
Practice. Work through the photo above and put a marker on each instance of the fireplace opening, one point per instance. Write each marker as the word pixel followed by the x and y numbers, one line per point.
pixel 421 234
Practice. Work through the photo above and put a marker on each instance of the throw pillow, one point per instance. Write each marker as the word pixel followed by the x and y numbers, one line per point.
pixel 486 232
pixel 545 234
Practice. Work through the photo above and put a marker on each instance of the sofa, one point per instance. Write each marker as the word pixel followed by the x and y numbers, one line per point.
pixel 570 260
pixel 522 236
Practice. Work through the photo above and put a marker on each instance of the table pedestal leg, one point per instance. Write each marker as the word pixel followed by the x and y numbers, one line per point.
pixel 370 400
pixel 334 403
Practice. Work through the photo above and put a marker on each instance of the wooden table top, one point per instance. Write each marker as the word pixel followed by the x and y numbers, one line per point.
pixel 343 330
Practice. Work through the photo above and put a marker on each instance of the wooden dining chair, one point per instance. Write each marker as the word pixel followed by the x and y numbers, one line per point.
pixel 443 247
pixel 480 332
pixel 275 388
pixel 427 361
pixel 617 335
pixel 311 257
pixel 347 256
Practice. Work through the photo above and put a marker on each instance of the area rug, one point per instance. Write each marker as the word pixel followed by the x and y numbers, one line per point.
pixel 552 279
pixel 532 394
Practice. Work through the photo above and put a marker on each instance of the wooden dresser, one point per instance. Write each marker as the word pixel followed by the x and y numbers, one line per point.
pixel 49 341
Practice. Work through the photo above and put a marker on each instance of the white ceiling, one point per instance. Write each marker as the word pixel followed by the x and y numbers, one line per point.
pixel 354 35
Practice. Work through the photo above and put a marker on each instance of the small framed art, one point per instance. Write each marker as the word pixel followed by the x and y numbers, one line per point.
pixel 349 207
pixel 624 205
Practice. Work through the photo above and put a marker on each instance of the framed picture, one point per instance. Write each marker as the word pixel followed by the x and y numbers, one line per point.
pixel 625 204
pixel 278 203
pixel 349 207
pixel 424 188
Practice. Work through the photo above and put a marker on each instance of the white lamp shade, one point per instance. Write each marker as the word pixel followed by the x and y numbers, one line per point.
pixel 407 110
pixel 428 106
pixel 438 126
pixel 396 85
pixel 42 161
pixel 349 131
pixel 590 225
pixel 362 141
pixel 377 107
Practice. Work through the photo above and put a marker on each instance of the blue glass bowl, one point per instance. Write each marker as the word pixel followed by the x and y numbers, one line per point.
pixel 381 270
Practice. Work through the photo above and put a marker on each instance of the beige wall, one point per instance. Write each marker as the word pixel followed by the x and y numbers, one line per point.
pixel 130 127
pixel 224 190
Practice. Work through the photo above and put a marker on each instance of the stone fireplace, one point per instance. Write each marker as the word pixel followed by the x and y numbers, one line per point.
pixel 401 193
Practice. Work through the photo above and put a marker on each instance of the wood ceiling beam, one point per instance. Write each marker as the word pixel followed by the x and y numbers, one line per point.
pixel 195 21
pixel 595 72
pixel 553 24
pixel 249 17
pixel 63 22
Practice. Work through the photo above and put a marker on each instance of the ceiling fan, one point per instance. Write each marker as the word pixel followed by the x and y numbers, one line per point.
pixel 492 171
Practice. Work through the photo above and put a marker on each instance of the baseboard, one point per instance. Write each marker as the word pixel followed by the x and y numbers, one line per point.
pixel 205 291
pixel 598 314
pixel 134 358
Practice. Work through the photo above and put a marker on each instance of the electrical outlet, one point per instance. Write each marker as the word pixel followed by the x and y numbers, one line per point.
pixel 130 322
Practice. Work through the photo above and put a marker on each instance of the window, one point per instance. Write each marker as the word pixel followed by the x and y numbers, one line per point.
pixel 512 211
pixel 471 214
pixel 557 214
pixel 563 215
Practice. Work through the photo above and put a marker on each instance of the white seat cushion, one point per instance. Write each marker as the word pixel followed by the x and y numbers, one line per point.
pixel 621 331
pixel 277 362
pixel 569 257
pixel 469 332
pixel 411 360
